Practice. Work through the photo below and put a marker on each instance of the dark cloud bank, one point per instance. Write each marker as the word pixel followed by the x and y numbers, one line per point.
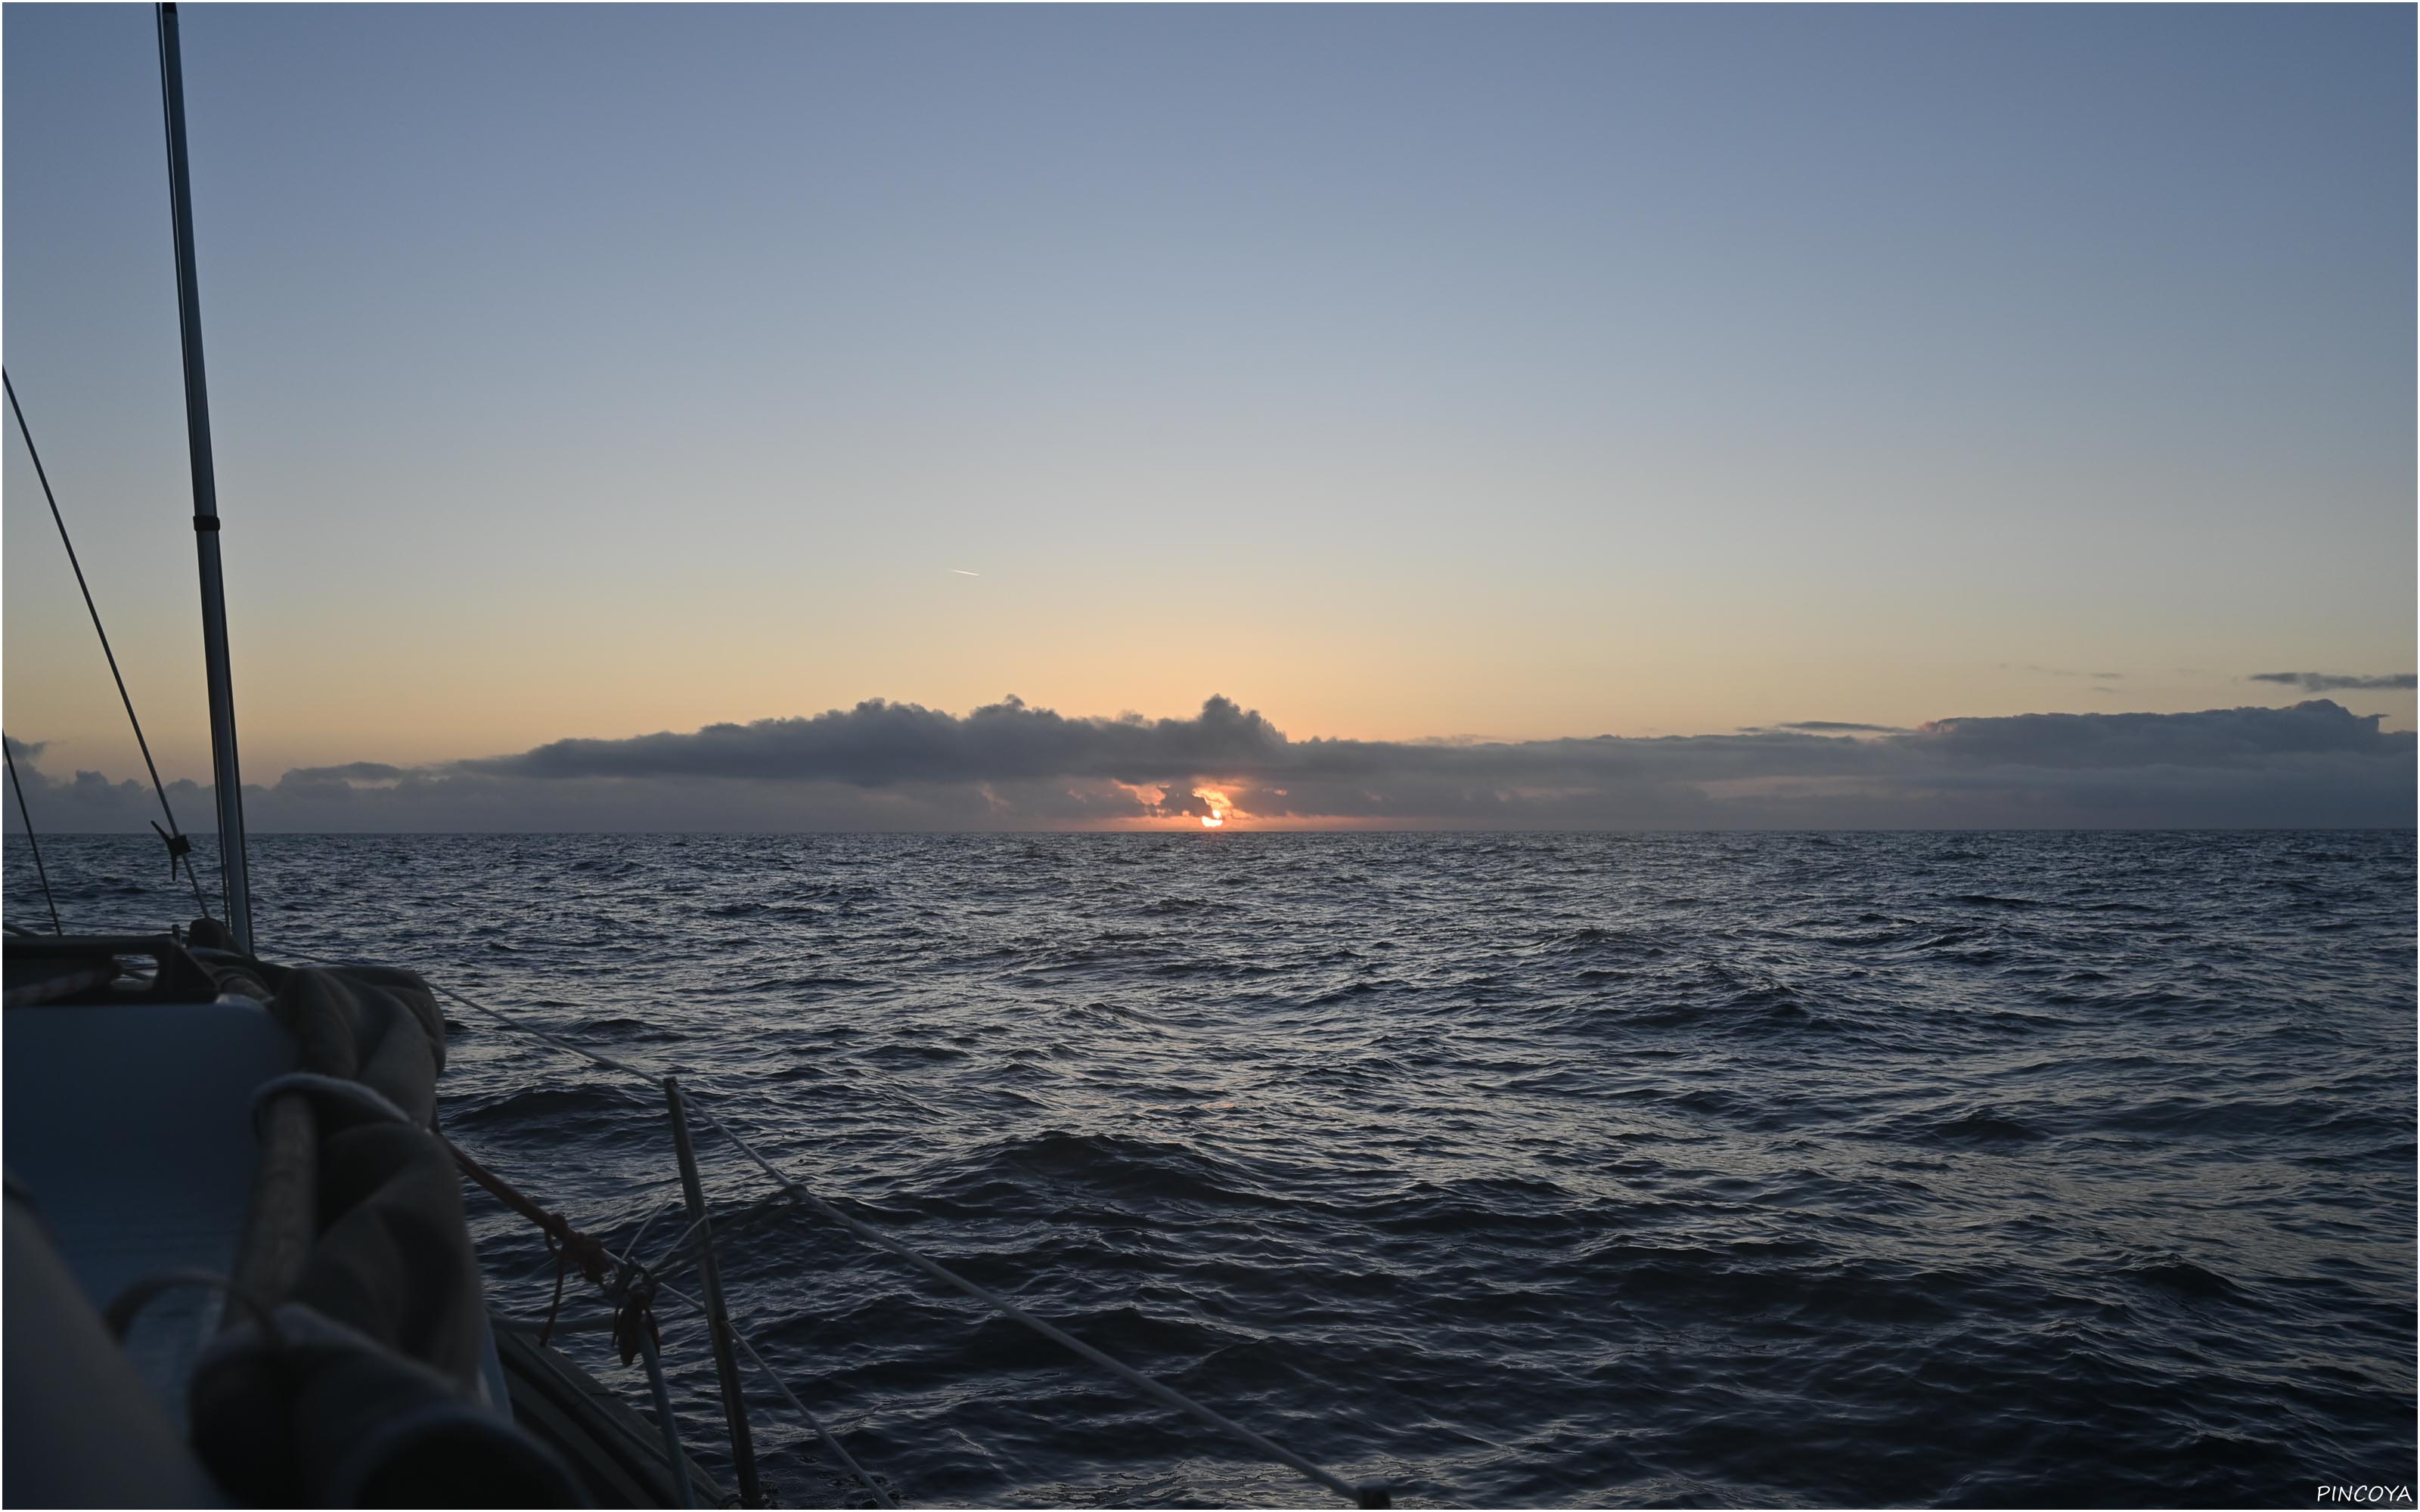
pixel 2338 682
pixel 883 765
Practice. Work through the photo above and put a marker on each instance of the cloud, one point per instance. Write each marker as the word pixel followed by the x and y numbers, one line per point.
pixel 1841 727
pixel 350 772
pixel 2338 682
pixel 2231 739
pixel 880 745
pixel 1009 765
pixel 2057 672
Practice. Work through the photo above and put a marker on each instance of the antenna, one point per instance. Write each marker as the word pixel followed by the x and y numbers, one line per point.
pixel 224 775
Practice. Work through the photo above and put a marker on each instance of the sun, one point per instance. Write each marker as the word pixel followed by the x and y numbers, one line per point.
pixel 1220 805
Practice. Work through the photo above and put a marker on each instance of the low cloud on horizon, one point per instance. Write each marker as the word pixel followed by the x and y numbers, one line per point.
pixel 2339 682
pixel 1009 765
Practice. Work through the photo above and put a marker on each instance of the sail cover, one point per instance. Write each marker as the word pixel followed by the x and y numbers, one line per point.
pixel 363 1384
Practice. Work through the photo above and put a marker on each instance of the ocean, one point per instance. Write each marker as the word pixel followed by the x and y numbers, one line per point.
pixel 1737 1169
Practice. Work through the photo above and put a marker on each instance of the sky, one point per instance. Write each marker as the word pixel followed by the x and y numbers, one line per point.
pixel 1422 381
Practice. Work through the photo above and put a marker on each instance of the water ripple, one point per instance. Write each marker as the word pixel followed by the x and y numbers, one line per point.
pixel 1638 1169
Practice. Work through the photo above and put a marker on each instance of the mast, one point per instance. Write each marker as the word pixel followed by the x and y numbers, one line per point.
pixel 224 775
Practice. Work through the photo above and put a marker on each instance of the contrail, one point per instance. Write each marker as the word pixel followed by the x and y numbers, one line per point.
pixel 963 573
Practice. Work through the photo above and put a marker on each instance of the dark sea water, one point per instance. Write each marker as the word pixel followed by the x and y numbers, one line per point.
pixel 1737 1169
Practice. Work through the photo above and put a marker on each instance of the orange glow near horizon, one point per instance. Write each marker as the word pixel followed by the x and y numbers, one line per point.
pixel 1221 807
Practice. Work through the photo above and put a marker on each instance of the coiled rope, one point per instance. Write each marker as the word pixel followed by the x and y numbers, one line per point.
pixel 1374 1494
pixel 180 848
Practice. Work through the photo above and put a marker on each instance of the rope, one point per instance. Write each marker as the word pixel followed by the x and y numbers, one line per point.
pixel 1374 1495
pixel 562 1242
pixel 365 1098
pixel 180 848
pixel 565 1243
pixel 649 1342
pixel 662 1209
pixel 26 818
pixel 674 1249
pixel 634 1290
pixel 1146 1384
pixel 128 1304
pixel 881 1497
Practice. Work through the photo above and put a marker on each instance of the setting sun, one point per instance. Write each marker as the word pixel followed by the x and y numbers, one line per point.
pixel 1220 805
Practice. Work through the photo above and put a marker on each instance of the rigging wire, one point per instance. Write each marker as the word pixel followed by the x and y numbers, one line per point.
pixel 180 848
pixel 1150 1386
pixel 26 818
pixel 1376 1493
pixel 830 1440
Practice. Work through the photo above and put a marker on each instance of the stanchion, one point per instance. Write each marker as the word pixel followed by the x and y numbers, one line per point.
pixel 726 1360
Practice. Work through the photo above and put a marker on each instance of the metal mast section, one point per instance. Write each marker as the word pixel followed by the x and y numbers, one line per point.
pixel 224 770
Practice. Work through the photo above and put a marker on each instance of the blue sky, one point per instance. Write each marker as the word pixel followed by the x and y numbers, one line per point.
pixel 1510 371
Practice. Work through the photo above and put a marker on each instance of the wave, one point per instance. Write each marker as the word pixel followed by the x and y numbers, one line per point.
pixel 1670 1169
